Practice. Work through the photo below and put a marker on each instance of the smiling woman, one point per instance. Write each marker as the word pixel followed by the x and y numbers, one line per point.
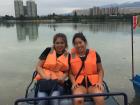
pixel 53 66
pixel 86 71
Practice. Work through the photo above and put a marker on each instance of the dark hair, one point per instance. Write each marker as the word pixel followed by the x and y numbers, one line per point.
pixel 79 35
pixel 60 35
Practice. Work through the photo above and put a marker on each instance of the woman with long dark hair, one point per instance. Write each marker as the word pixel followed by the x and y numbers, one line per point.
pixel 86 71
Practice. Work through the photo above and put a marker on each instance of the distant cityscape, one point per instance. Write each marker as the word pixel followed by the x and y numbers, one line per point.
pixel 112 11
pixel 107 11
pixel 30 10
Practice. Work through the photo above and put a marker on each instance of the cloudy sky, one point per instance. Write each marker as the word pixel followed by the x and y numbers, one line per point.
pixel 58 6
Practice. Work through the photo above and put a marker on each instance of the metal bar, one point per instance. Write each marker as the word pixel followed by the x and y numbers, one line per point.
pixel 132 48
pixel 73 96
pixel 125 99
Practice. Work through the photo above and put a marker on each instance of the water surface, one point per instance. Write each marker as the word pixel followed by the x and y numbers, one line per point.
pixel 21 44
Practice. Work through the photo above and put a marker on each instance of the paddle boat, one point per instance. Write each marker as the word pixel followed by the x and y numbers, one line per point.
pixel 66 99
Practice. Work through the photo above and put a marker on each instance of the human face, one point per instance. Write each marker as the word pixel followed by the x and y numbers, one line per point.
pixel 80 45
pixel 59 45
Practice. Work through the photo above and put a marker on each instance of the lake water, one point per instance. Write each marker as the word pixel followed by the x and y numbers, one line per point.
pixel 21 44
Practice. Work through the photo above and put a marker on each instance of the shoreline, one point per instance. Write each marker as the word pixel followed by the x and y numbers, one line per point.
pixel 63 21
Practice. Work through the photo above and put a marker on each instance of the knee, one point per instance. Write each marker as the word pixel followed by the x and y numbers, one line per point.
pixel 55 93
pixel 99 100
pixel 78 101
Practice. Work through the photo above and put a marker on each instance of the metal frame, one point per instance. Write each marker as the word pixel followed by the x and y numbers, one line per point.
pixel 74 96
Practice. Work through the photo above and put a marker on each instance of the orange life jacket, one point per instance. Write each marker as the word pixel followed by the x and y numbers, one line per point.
pixel 89 69
pixel 53 66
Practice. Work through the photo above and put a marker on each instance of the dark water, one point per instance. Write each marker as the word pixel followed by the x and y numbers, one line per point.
pixel 21 44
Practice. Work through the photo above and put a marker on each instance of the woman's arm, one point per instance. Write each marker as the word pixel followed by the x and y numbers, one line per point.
pixel 72 78
pixel 101 75
pixel 65 75
pixel 100 71
pixel 40 70
pixel 61 80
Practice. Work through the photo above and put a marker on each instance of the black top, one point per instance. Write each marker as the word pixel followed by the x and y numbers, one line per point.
pixel 45 53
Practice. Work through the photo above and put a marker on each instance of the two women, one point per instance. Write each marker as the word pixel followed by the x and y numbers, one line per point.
pixel 86 72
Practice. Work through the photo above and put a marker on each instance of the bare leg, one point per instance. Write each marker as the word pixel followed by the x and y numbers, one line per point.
pixel 76 91
pixel 98 100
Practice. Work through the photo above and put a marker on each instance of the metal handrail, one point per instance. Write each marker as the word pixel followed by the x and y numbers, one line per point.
pixel 74 96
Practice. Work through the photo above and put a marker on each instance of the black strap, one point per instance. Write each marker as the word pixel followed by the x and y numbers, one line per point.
pixel 69 57
pixel 27 90
pixel 83 63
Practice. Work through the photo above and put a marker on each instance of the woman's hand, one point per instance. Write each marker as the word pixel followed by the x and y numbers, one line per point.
pixel 100 86
pixel 74 85
pixel 61 80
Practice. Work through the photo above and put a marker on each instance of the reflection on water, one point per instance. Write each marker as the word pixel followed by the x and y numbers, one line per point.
pixel 75 25
pixel 27 30
pixel 52 26
pixel 30 30
pixel 103 27
pixel 7 25
pixel 137 31
pixel 96 26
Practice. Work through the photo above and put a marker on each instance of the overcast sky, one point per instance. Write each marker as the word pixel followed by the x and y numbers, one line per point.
pixel 45 7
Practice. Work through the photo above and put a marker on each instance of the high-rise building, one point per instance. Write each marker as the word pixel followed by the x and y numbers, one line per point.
pixel 31 8
pixel 91 11
pixel 19 8
pixel 84 12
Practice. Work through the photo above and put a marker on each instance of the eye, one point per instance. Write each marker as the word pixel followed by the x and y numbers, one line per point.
pixel 62 42
pixel 56 42
pixel 59 43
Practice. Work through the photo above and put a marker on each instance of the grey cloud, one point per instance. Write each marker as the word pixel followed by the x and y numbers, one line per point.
pixel 65 3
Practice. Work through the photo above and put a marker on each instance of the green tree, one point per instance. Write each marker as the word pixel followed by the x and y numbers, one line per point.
pixel 75 17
